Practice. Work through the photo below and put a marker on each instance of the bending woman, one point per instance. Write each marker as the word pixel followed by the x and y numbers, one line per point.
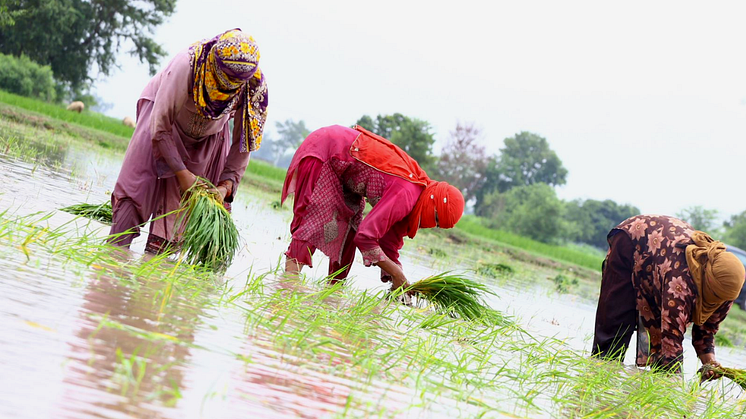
pixel 333 173
pixel 673 276
pixel 182 132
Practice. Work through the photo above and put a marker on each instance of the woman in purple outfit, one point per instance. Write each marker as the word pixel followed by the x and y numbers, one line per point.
pixel 182 132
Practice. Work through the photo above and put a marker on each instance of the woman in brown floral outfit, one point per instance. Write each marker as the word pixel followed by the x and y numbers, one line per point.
pixel 659 266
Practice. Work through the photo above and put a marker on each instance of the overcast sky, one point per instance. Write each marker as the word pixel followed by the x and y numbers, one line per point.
pixel 644 102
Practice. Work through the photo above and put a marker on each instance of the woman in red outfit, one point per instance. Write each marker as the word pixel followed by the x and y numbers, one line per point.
pixel 333 173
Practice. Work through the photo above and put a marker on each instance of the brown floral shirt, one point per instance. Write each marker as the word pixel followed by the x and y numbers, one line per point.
pixel 666 292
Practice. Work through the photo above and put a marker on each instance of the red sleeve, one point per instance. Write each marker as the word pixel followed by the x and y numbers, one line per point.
pixel 375 237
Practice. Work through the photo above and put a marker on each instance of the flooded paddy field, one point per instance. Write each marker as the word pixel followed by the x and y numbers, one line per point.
pixel 91 332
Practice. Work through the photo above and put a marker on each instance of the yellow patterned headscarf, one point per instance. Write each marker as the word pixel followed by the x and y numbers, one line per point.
pixel 226 77
pixel 718 274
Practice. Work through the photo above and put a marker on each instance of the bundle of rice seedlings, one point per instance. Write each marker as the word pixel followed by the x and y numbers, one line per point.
pixel 99 212
pixel 736 375
pixel 210 237
pixel 456 295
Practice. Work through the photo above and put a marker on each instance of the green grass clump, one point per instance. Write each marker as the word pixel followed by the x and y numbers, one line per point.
pixel 100 212
pixel 210 237
pixel 734 374
pixel 494 270
pixel 455 294
pixel 563 284
pixel 266 170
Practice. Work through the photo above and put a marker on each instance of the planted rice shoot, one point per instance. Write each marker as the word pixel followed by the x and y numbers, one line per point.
pixel 735 375
pixel 210 237
pixel 456 295
pixel 99 212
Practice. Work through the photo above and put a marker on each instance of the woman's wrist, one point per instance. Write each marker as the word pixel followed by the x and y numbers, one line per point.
pixel 708 358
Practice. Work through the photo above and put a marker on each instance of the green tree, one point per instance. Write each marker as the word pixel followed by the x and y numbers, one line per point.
pixel 462 161
pixel 525 159
pixel 24 77
pixel 735 230
pixel 72 36
pixel 531 210
pixel 700 218
pixel 411 134
pixel 290 135
pixel 590 221
pixel 487 187
pixel 7 18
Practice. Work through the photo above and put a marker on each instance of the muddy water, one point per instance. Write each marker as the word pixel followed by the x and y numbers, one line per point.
pixel 75 338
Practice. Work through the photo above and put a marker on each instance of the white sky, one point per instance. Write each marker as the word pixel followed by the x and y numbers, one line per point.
pixel 644 103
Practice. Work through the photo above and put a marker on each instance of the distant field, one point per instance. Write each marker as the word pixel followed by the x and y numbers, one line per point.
pixel 472 226
pixel 266 170
pixel 86 118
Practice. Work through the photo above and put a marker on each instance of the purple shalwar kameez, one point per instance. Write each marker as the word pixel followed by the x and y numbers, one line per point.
pixel 171 135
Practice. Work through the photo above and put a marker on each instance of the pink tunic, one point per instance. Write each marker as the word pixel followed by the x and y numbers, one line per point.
pixel 331 189
pixel 171 136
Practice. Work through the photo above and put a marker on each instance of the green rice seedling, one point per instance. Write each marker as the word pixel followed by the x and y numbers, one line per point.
pixel 495 270
pixel 210 237
pixel 735 375
pixel 455 294
pixel 100 212
pixel 563 284
pixel 437 252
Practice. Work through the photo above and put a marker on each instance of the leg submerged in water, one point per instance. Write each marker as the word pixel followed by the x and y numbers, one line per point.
pixel 125 224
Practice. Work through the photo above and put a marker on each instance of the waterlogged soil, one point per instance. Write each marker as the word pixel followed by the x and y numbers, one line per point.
pixel 90 333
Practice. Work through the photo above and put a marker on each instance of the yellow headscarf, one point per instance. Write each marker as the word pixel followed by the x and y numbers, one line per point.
pixel 718 274
pixel 226 76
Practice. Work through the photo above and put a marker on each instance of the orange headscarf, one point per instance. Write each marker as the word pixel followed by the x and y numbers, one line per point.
pixel 438 198
pixel 718 274
pixel 383 155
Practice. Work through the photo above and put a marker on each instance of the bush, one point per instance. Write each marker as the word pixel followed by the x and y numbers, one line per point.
pixel 26 78
pixel 532 211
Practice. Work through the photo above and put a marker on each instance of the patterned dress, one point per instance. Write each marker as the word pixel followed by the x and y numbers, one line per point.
pixel 666 292
pixel 331 189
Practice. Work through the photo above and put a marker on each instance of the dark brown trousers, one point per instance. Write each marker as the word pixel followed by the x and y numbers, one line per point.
pixel 616 315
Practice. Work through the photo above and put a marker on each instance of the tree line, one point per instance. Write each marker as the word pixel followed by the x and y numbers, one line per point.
pixel 513 190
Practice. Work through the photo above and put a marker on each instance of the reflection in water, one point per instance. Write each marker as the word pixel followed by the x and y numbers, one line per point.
pixel 130 345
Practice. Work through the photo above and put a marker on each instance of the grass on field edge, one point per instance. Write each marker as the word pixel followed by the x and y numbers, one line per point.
pixel 473 227
pixel 86 118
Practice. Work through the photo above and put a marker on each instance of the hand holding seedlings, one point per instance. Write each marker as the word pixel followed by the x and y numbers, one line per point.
pixel 187 180
pixel 711 369
pixel 398 279
pixel 210 237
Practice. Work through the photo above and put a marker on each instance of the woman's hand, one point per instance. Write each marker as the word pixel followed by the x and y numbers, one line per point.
pixel 186 179
pixel 707 374
pixel 223 191
pixel 398 279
